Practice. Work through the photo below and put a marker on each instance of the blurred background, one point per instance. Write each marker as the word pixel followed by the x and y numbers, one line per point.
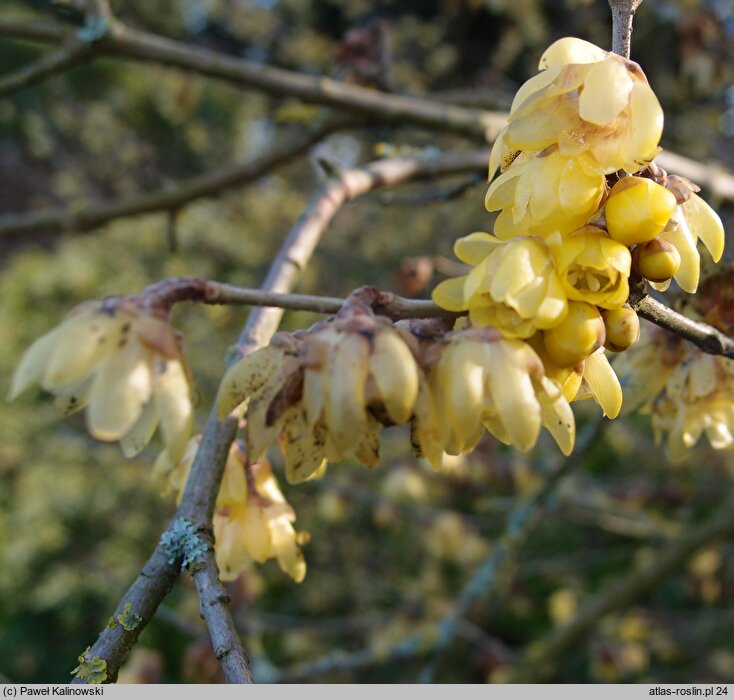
pixel 391 548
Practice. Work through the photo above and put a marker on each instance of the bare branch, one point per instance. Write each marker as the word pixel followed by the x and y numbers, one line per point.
pixel 706 337
pixel 541 658
pixel 141 46
pixel 170 199
pixel 50 64
pixel 623 11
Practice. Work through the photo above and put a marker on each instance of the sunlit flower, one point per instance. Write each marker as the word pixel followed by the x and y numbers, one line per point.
pixel 481 380
pixel 657 261
pixel 592 267
pixel 123 364
pixel 325 393
pixel 622 328
pixel 545 193
pixel 637 210
pixel 691 221
pixel 515 288
pixel 585 101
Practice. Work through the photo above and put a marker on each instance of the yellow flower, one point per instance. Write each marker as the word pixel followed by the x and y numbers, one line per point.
pixel 690 393
pixel 586 101
pixel 637 210
pixel 622 328
pixel 324 393
pixel 690 221
pixel 124 365
pixel 481 380
pixel 545 193
pixel 657 260
pixel 515 288
pixel 592 267
pixel 600 382
pixel 252 520
pixel 579 334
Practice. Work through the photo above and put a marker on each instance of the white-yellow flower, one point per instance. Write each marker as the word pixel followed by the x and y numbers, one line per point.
pixel 480 380
pixel 124 366
pixel 515 287
pixel 587 102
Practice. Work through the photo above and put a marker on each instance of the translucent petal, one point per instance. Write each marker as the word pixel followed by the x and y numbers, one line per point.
pixel 705 223
pixel 570 50
pixel 557 416
pixel 535 84
pixel 606 92
pixel 175 408
pixel 33 363
pixel 501 192
pixel 245 378
pixel 121 387
pixel 646 123
pixel 141 433
pixel 690 260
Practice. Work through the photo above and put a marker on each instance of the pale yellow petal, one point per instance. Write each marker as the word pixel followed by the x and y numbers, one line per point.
pixel 174 404
pixel 606 92
pixel 395 372
pixel 472 249
pixel 141 433
pixel 570 50
pixel 449 294
pixel 600 376
pixel 246 377
pixel 705 223
pixel 33 363
pixel 121 387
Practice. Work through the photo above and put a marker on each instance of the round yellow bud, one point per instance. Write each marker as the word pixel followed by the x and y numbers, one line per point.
pixel 637 210
pixel 657 260
pixel 623 328
pixel 577 336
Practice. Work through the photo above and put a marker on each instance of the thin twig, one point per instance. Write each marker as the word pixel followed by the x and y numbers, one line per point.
pixel 50 64
pixel 170 199
pixel 541 658
pixel 141 46
pixel 706 337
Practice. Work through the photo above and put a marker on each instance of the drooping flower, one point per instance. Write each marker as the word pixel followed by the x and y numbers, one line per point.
pixel 587 102
pixel 324 393
pixel 580 333
pixel 592 267
pixel 252 520
pixel 123 364
pixel 514 288
pixel 479 380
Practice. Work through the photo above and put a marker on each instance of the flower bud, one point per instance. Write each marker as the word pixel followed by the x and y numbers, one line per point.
pixel 657 260
pixel 637 210
pixel 623 328
pixel 577 336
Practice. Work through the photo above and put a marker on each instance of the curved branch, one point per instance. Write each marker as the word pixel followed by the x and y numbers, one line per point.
pixel 706 337
pixel 55 62
pixel 141 46
pixel 172 198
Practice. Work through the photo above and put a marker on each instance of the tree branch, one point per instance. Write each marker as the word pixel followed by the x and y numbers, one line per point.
pixel 68 54
pixel 141 46
pixel 706 337
pixel 623 11
pixel 541 658
pixel 94 215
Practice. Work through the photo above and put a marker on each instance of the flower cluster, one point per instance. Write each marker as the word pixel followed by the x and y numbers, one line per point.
pixel 122 362
pixel 324 393
pixel 252 520
pixel 581 208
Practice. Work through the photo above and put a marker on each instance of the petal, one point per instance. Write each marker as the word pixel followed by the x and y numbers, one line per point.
pixel 141 433
pixel 570 50
pixel 246 377
pixel 472 249
pixel 690 260
pixel 533 85
pixel 173 401
pixel 34 362
pixel 302 447
pixel 600 376
pixel 394 370
pixel 705 223
pixel 121 387
pixel 501 192
pixel 606 92
pixel 344 402
pixel 449 294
